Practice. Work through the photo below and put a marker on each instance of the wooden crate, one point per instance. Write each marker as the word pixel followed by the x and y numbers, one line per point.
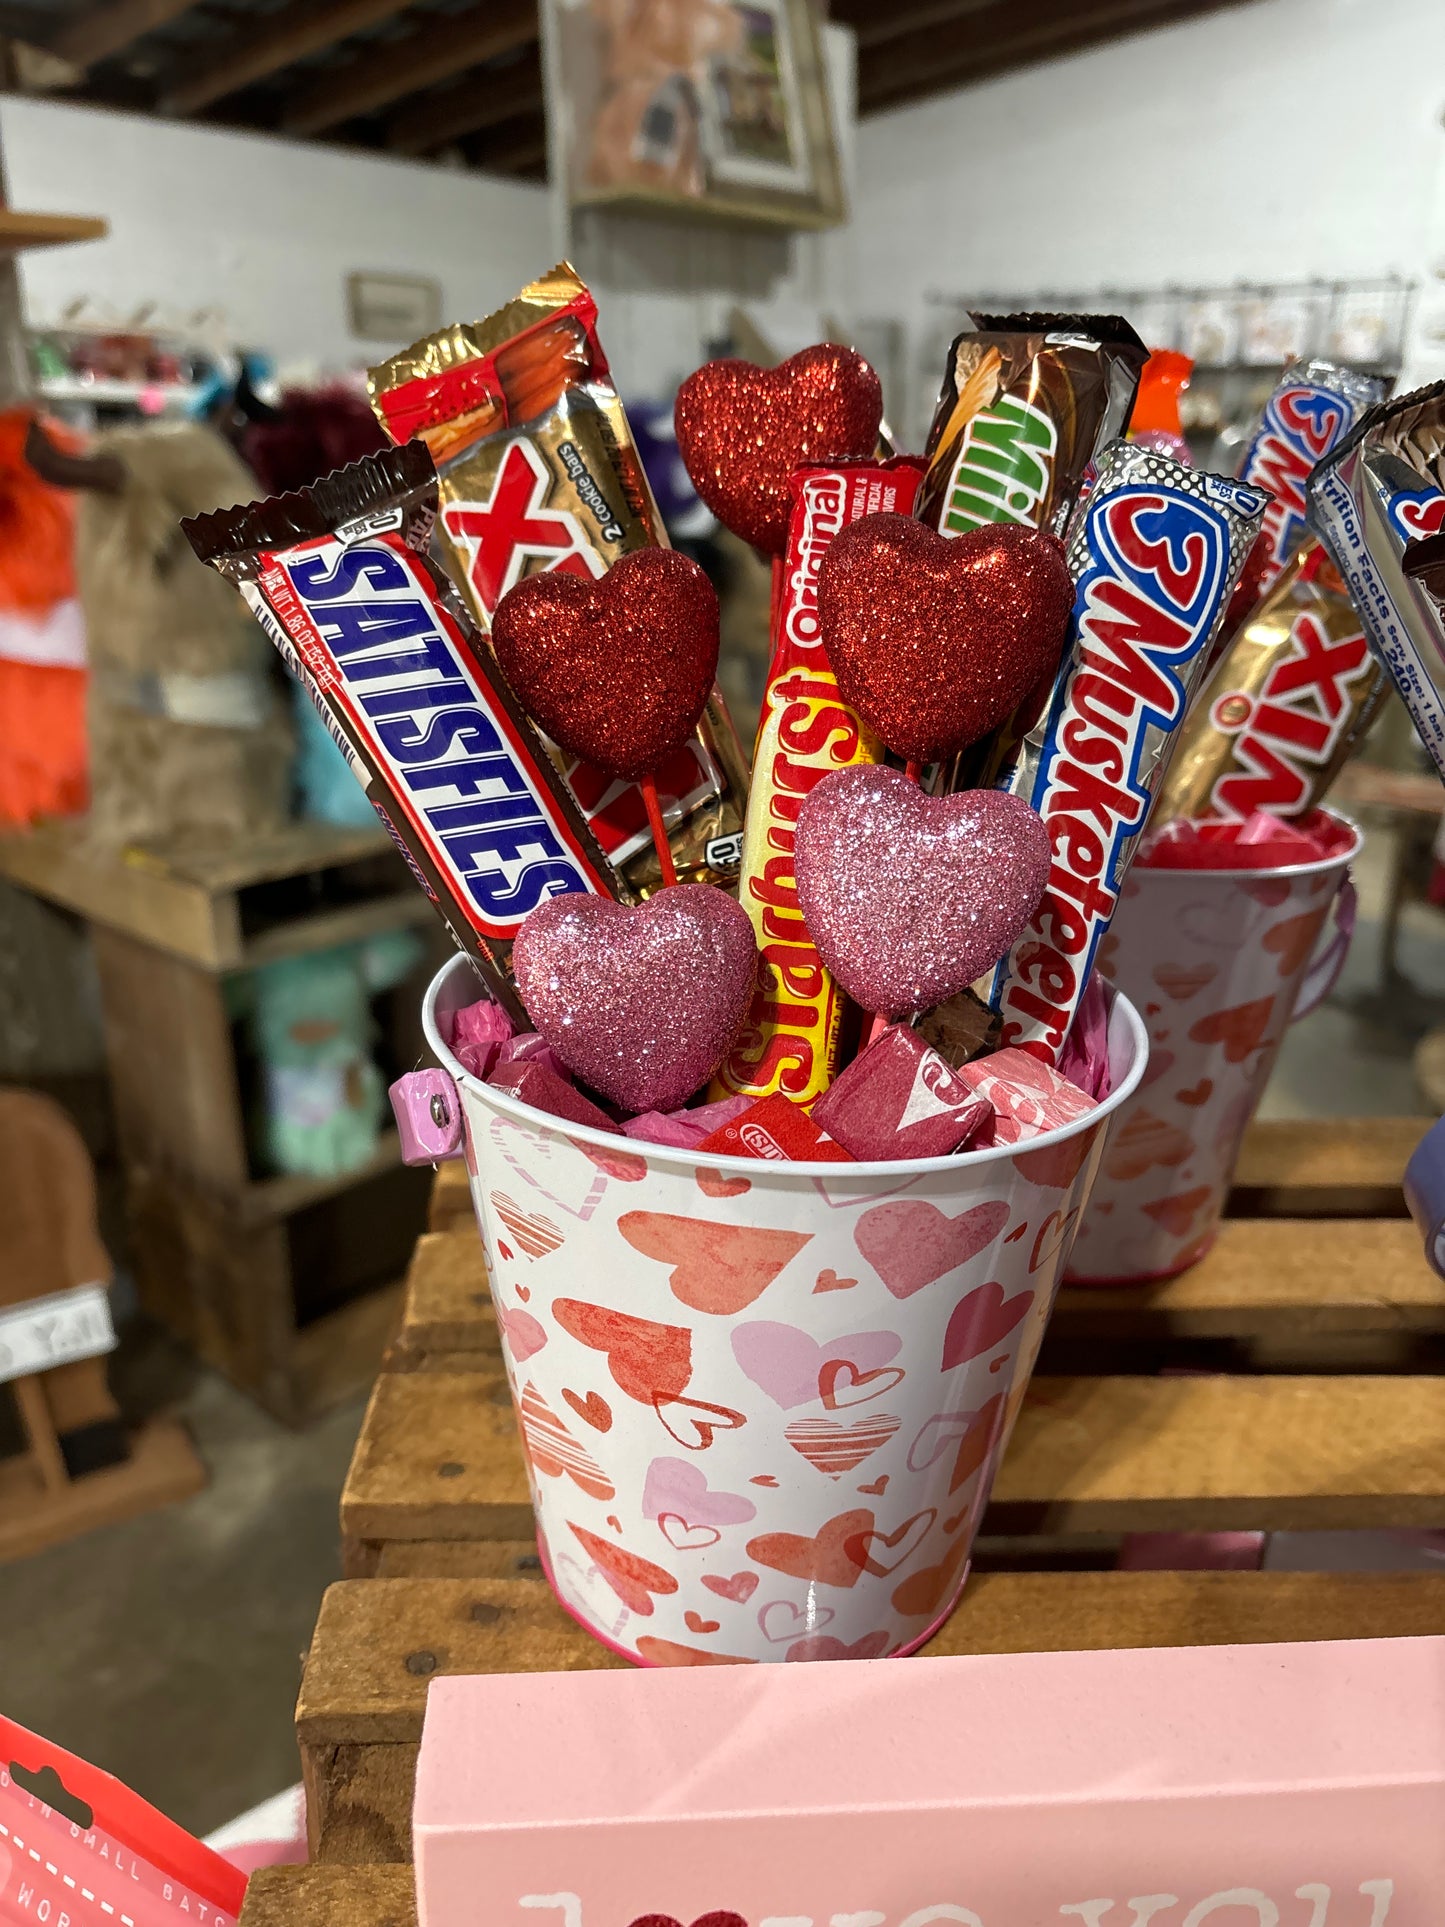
pixel 437 1526
pixel 290 1286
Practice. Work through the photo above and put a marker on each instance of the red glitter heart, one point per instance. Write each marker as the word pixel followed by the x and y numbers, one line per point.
pixel 934 641
pixel 641 1003
pixel 742 430
pixel 615 670
pixel 910 897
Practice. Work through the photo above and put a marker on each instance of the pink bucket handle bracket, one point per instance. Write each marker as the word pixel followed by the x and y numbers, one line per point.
pixel 428 1116
pixel 1325 967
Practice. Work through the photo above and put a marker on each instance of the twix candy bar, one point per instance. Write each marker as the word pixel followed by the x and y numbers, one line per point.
pixel 1154 556
pixel 1028 401
pixel 1285 704
pixel 1313 407
pixel 1377 491
pixel 538 471
pixel 339 578
pixel 789 1041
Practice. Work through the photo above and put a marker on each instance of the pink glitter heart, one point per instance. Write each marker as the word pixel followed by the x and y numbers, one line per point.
pixel 909 897
pixel 642 1004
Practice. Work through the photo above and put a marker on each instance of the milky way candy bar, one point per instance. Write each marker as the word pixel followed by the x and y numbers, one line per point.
pixel 1382 488
pixel 538 473
pixel 1313 407
pixel 338 577
pixel 1154 554
pixel 1028 401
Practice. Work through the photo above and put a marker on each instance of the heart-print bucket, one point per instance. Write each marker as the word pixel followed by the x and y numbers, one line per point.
pixel 762 1403
pixel 1219 963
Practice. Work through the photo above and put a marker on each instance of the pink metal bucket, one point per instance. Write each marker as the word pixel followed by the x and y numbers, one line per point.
pixel 762 1403
pixel 1219 963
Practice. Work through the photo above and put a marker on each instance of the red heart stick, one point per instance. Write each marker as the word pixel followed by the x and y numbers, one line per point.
pixel 742 430
pixel 935 641
pixel 617 670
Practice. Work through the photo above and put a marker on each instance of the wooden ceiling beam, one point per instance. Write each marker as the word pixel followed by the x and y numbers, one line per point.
pixel 484 99
pixel 519 144
pixel 104 30
pixel 250 55
pixel 873 24
pixel 1002 36
pixel 436 51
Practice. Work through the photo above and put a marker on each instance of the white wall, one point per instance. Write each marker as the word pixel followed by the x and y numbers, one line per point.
pixel 266 229
pixel 1279 140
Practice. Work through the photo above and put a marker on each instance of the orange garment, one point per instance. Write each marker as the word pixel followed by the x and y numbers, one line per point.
pixel 43 763
pixel 43 766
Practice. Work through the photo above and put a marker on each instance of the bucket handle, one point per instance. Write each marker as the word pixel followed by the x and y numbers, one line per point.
pixel 1325 967
pixel 428 1114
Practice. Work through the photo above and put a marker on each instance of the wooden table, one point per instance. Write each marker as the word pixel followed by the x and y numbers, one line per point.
pixel 1318 1320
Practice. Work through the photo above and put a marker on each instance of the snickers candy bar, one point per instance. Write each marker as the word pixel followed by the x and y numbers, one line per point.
pixel 1381 489
pixel 338 577
pixel 1155 553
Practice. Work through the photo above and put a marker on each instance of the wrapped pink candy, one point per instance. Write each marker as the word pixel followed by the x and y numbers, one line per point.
pixel 685 1129
pixel 530 1047
pixel 536 1083
pixel 899 1099
pixel 1028 1096
pixel 1084 1059
pixel 478 1034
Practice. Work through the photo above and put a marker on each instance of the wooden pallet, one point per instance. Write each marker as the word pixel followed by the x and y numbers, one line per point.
pixel 435 1511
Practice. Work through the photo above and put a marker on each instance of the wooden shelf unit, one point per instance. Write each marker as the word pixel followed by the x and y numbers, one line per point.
pixel 286 1284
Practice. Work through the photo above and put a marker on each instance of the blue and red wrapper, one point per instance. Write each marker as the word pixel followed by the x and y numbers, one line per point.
pixel 1155 554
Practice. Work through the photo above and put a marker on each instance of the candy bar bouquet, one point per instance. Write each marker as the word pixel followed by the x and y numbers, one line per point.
pixel 781 1107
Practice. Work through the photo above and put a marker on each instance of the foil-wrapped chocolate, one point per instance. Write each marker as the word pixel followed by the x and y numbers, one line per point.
pixel 1154 554
pixel 339 577
pixel 1287 701
pixel 1028 401
pixel 538 471
pixel 1380 489
pixel 1313 406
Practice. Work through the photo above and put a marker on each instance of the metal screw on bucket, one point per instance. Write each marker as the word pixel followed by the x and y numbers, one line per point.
pixel 440 1115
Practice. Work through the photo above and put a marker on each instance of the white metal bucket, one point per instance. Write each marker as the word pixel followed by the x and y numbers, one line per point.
pixel 762 1403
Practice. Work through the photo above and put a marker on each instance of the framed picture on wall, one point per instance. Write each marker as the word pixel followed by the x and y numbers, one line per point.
pixel 718 107
pixel 392 307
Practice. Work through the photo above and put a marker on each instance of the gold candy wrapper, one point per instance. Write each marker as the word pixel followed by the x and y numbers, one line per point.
pixel 1290 698
pixel 538 471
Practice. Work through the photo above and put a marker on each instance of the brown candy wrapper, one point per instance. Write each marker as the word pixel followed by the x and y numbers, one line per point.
pixel 339 577
pixel 538 471
pixel 1028 401
pixel 1424 562
pixel 1282 709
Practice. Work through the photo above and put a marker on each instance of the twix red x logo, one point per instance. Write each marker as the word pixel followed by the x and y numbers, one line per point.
pixel 515 526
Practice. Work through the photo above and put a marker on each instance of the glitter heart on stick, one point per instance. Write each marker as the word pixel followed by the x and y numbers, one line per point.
pixel 935 641
pixel 616 670
pixel 642 1005
pixel 742 430
pixel 909 897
